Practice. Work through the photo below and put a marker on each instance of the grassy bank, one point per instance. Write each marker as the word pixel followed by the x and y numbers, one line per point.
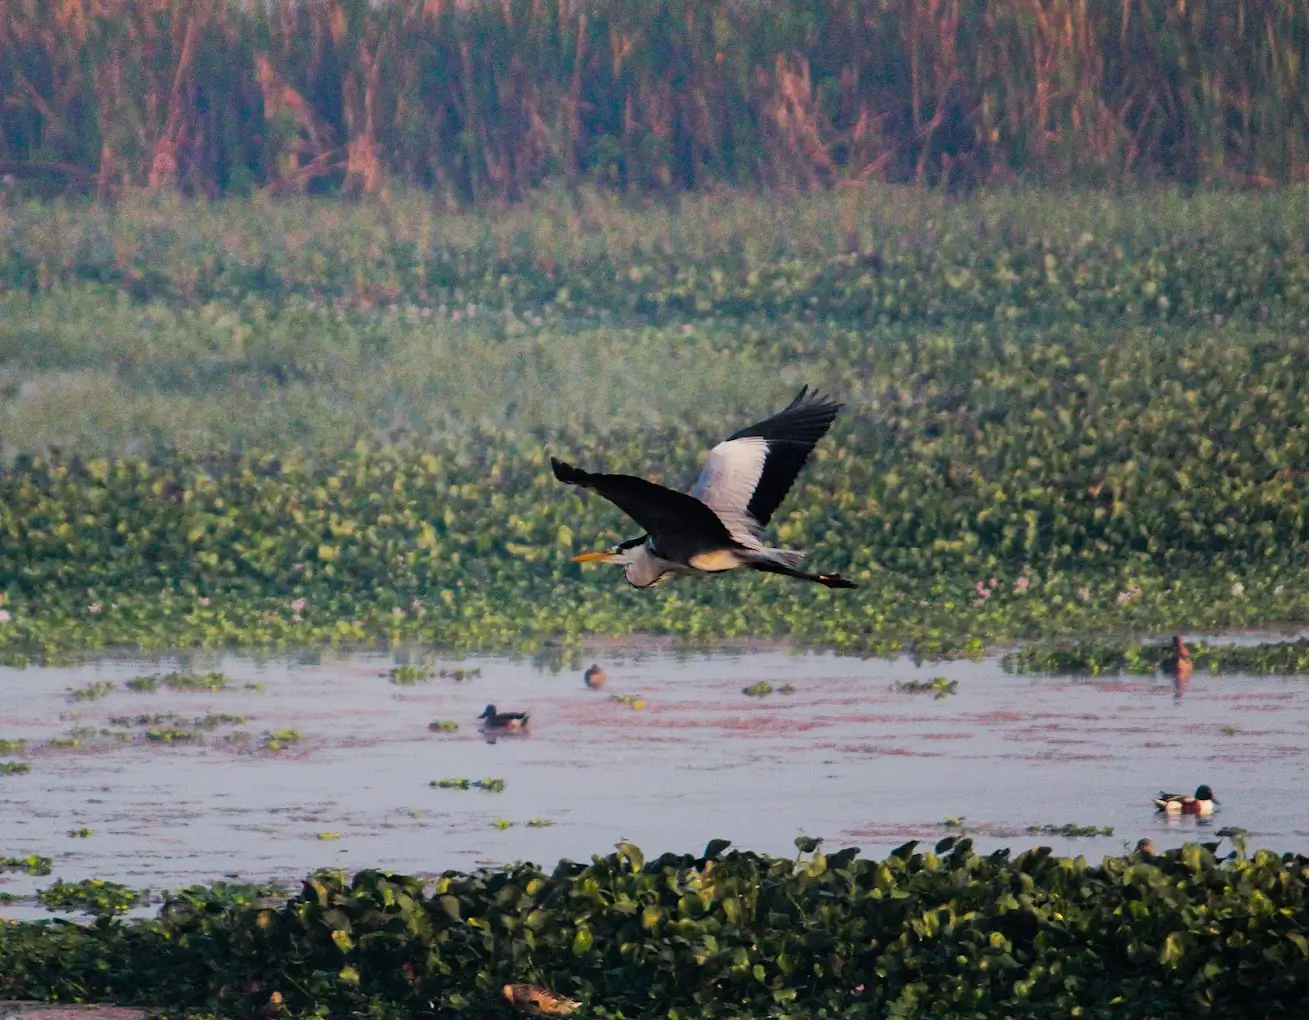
pixel 493 99
pixel 1062 415
pixel 726 934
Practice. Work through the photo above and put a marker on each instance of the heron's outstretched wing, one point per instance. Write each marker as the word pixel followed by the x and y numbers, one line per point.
pixel 748 475
pixel 652 506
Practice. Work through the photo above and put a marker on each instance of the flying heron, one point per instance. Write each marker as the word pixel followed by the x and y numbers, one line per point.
pixel 719 525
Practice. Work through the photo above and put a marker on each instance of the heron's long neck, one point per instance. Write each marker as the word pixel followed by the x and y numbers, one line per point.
pixel 643 567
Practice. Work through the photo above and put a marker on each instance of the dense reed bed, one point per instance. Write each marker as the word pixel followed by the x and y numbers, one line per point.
pixel 495 99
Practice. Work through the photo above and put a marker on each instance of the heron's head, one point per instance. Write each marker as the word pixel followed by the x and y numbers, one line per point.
pixel 623 553
pixel 642 569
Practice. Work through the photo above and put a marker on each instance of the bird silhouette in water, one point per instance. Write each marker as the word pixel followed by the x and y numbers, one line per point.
pixel 510 721
pixel 1177 664
pixel 595 677
pixel 537 1001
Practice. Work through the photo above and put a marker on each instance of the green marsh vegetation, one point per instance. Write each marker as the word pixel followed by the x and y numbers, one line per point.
pixel 724 934
pixel 1097 658
pixel 295 422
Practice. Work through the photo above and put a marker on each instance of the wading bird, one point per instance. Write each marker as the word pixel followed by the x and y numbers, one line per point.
pixel 1201 804
pixel 719 525
pixel 1177 664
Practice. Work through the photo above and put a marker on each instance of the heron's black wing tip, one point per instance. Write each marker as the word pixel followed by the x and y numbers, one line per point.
pixel 814 398
pixel 566 472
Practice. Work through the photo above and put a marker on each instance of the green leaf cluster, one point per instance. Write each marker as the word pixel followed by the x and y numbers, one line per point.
pixel 726 934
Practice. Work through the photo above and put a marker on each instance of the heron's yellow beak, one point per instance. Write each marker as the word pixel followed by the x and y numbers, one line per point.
pixel 593 557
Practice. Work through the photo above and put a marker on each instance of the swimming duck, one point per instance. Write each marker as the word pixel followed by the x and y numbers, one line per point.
pixel 537 1001
pixel 503 720
pixel 1202 803
pixel 1145 846
pixel 595 677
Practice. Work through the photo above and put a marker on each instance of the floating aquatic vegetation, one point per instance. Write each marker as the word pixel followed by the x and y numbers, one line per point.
pixel 938 687
pixel 32 864
pixel 327 835
pixel 1070 830
pixel 460 783
pixel 92 895
pixel 92 691
pixel 636 701
pixel 276 740
pixel 11 745
pixel 408 676
pixel 758 689
pixel 142 684
pixel 81 832
pixel 443 726
pixel 171 734
pixel 174 726
pixel 539 823
pixel 14 768
pixel 502 823
pixel 210 681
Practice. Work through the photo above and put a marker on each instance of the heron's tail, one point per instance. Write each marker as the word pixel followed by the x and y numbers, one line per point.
pixel 782 557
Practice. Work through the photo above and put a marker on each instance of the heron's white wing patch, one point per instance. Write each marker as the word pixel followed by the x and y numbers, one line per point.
pixel 729 479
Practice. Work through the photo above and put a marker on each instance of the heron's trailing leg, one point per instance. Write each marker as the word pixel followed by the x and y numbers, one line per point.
pixel 828 580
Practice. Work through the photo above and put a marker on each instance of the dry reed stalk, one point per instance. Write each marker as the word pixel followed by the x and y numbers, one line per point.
pixel 492 97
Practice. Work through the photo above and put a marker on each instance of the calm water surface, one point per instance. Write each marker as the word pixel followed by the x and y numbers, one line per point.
pixel 844 756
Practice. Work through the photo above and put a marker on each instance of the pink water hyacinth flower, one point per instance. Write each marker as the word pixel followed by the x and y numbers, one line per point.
pixel 298 605
pixel 397 612
pixel 205 602
pixel 1238 590
pixel 1022 584
pixel 1132 592
pixel 1084 594
pixel 94 607
pixel 4 616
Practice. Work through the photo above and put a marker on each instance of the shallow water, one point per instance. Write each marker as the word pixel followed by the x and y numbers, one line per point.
pixel 844 756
